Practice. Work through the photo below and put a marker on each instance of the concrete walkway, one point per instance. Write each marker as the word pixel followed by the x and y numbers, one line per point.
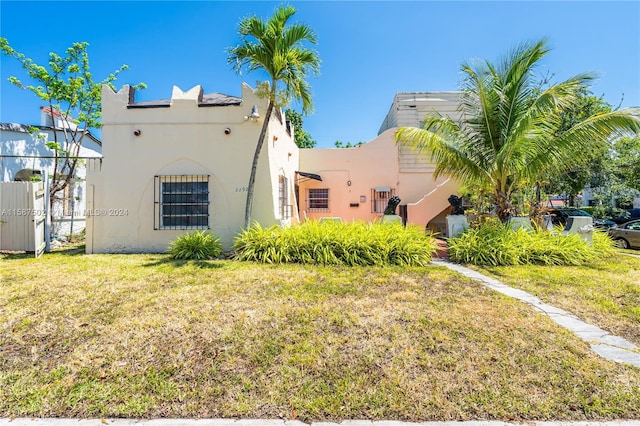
pixel 629 254
pixel 608 346
pixel 277 422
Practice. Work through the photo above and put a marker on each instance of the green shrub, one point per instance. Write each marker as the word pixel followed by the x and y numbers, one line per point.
pixel 602 245
pixel 336 243
pixel 496 244
pixel 197 245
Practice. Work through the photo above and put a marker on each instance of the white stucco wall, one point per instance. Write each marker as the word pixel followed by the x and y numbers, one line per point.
pixel 182 139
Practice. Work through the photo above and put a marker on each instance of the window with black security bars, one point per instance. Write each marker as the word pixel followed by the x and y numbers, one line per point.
pixel 380 198
pixel 181 202
pixel 318 199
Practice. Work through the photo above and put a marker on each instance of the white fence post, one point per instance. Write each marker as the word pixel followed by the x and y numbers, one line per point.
pixel 47 213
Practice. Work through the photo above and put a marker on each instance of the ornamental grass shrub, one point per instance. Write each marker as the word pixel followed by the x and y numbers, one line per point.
pixel 197 245
pixel 336 243
pixel 496 244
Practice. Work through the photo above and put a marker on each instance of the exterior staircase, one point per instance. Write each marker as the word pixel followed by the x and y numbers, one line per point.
pixel 432 204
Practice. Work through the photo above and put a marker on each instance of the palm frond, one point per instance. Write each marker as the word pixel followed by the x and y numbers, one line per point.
pixel 588 136
pixel 252 26
pixel 537 120
pixel 295 34
pixel 277 48
pixel 443 152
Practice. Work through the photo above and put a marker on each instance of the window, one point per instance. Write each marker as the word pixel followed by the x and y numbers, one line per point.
pixel 318 199
pixel 635 226
pixel 380 198
pixel 283 194
pixel 181 202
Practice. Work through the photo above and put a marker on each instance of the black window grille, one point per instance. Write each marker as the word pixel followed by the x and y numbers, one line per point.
pixel 318 199
pixel 181 202
pixel 380 198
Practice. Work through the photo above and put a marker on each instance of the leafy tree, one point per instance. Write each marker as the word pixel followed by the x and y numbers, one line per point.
pixel 301 137
pixel 508 138
pixel 340 144
pixel 276 48
pixel 626 161
pixel 612 172
pixel 66 85
pixel 615 182
pixel 571 181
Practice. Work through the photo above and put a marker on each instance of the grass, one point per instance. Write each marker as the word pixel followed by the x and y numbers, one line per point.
pixel 605 293
pixel 149 336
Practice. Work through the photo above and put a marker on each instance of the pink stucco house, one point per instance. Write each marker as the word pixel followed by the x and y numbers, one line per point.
pixel 358 182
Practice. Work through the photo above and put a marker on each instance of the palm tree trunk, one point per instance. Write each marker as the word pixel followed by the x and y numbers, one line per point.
pixel 254 166
pixel 505 208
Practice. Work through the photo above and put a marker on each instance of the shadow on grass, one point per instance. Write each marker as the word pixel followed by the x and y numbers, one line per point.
pixel 202 264
pixel 71 250
pixel 12 255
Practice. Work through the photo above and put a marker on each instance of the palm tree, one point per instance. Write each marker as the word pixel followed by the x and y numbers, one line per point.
pixel 278 49
pixel 508 136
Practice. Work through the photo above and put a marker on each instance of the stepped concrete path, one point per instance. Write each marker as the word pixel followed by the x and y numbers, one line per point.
pixel 608 346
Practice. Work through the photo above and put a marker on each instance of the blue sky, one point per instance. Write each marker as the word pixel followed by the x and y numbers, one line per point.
pixel 369 49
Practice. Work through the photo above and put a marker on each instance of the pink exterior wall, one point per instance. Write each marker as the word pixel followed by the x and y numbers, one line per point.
pixel 350 175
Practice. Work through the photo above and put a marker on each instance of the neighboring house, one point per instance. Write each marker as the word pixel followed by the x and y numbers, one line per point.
pixel 23 153
pixel 180 164
pixel 588 198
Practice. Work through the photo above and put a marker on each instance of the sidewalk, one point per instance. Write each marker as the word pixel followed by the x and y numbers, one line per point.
pixel 276 422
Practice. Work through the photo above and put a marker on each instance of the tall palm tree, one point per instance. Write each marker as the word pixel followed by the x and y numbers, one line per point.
pixel 277 48
pixel 508 137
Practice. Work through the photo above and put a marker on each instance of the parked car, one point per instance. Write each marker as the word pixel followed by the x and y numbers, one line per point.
pixel 627 235
pixel 633 215
pixel 559 216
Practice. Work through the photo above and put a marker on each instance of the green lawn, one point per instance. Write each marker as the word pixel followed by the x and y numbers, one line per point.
pixel 606 293
pixel 144 336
